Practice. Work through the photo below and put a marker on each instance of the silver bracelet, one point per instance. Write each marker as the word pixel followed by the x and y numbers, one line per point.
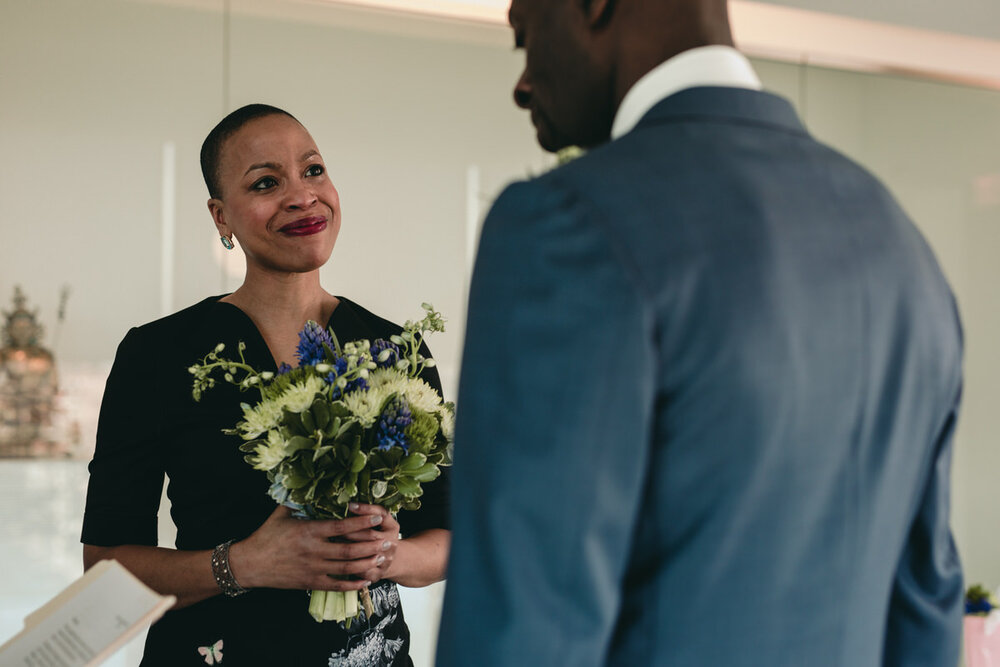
pixel 223 573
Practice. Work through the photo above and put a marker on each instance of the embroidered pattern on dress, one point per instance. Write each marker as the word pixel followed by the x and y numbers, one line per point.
pixel 212 654
pixel 371 647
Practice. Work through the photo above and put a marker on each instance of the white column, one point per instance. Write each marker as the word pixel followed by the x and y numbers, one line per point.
pixel 168 224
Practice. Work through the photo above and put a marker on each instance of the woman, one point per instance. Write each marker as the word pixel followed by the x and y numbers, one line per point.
pixel 270 190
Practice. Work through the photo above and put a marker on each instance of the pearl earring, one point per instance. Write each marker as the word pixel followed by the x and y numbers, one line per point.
pixel 226 242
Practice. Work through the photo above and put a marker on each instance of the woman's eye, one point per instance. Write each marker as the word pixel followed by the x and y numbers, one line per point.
pixel 264 183
pixel 315 170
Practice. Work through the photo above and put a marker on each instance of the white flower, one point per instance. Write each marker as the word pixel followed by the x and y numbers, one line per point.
pixel 447 423
pixel 367 405
pixel 270 455
pixel 300 395
pixel 421 395
pixel 267 414
pixel 260 418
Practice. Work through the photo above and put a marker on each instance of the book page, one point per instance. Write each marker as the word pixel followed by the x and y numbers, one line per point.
pixel 85 623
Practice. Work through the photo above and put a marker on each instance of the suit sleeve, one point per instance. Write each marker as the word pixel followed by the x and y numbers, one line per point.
pixel 925 614
pixel 552 437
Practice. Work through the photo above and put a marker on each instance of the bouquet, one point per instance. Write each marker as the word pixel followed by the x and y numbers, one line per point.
pixel 352 423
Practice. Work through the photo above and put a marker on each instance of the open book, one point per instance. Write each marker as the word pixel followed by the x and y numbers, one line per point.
pixel 88 621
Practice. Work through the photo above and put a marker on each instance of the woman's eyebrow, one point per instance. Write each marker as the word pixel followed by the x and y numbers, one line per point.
pixel 261 165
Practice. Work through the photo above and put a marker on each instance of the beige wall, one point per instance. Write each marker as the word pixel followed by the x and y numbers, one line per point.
pixel 90 92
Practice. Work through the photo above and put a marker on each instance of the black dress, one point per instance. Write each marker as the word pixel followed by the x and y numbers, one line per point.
pixel 150 425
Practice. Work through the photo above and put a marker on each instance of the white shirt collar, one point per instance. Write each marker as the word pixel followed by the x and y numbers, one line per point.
pixel 702 66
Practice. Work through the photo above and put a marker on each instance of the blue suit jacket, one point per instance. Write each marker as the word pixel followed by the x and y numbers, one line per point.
pixel 709 387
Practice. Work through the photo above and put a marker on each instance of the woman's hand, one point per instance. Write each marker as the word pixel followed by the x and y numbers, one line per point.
pixel 419 560
pixel 385 532
pixel 286 552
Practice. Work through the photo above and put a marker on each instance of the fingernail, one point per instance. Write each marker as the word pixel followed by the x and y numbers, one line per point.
pixel 386 545
pixel 380 560
pixel 353 507
pixel 376 520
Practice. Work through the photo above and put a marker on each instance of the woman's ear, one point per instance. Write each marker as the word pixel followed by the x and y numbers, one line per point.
pixel 218 212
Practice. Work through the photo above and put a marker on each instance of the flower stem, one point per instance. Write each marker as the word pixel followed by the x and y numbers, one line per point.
pixel 317 603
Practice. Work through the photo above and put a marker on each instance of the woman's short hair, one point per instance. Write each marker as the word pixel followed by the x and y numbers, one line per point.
pixel 211 149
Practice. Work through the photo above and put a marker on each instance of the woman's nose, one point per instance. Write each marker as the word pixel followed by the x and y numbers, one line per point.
pixel 300 195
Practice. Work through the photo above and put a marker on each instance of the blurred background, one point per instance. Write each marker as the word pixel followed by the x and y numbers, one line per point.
pixel 104 104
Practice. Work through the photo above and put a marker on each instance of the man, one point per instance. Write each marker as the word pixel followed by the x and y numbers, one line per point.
pixel 710 380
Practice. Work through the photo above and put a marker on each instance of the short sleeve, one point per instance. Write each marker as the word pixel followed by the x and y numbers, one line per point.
pixel 126 473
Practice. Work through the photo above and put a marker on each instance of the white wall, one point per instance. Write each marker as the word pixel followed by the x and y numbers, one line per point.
pixel 978 18
pixel 91 91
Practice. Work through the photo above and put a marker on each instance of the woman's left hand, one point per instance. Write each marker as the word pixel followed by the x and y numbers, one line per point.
pixel 387 532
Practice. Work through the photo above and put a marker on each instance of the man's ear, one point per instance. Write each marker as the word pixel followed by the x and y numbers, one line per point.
pixel 598 12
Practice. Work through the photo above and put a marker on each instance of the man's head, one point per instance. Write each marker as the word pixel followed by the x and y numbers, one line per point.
pixel 582 56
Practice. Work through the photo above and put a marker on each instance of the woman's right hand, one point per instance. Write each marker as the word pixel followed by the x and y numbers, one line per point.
pixel 286 552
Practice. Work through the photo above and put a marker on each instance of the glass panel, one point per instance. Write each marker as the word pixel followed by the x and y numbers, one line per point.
pixel 416 122
pixel 937 147
pixel 92 93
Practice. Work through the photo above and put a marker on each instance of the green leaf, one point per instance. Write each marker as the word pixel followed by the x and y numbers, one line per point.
pixel 293 479
pixel 293 423
pixel 308 423
pixel 426 473
pixel 346 494
pixel 412 462
pixel 379 488
pixel 394 456
pixel 298 442
pixel 320 451
pixel 407 487
pixel 321 413
pixel 252 445
pixel 358 462
pixel 331 428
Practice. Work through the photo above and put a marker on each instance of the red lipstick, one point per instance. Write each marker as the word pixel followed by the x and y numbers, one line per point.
pixel 304 226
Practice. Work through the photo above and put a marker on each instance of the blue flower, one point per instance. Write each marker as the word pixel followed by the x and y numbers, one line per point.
pixel 391 428
pixel 311 339
pixel 381 345
pixel 284 368
pixel 980 606
pixel 339 368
